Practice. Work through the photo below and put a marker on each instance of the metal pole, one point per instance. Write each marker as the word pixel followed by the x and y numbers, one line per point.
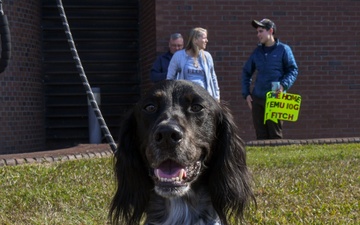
pixel 94 125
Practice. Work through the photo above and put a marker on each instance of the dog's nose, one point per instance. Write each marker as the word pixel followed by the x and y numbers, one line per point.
pixel 169 133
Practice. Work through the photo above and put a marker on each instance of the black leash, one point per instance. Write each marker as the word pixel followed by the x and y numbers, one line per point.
pixel 84 79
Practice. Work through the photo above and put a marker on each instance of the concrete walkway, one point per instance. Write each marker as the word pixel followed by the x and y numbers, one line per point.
pixel 82 151
pixel 87 151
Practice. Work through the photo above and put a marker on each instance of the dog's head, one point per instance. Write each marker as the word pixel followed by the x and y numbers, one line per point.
pixel 177 128
pixel 177 139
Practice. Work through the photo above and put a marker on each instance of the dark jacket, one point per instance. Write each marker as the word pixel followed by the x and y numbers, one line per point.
pixel 277 65
pixel 159 70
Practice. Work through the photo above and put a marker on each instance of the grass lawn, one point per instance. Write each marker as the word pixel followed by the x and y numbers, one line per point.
pixel 305 184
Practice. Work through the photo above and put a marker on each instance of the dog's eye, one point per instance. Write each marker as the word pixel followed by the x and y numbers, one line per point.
pixel 196 108
pixel 150 108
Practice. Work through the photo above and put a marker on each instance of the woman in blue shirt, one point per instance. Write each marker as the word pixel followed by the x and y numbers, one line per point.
pixel 195 64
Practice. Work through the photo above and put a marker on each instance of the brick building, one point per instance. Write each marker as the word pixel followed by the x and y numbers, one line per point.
pixel 43 104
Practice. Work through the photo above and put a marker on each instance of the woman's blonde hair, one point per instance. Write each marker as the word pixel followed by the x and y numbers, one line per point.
pixel 194 34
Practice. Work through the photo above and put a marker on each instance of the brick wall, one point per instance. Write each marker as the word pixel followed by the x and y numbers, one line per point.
pixel 21 97
pixel 324 36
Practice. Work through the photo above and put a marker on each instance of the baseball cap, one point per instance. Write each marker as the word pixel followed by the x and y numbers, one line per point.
pixel 265 23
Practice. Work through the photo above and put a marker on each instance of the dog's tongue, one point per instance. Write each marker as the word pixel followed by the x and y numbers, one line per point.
pixel 170 169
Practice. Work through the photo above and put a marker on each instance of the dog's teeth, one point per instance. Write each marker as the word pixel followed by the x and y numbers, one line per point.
pixel 157 174
pixel 162 179
pixel 180 177
pixel 182 174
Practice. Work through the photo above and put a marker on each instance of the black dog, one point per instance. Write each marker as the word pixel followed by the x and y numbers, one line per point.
pixel 180 161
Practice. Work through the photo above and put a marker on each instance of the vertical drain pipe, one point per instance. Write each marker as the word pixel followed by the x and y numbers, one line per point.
pixel 94 126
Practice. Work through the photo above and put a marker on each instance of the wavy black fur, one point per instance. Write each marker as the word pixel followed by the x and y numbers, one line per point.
pixel 180 122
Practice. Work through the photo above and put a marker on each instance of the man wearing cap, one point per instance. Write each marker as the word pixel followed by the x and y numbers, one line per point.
pixel 274 62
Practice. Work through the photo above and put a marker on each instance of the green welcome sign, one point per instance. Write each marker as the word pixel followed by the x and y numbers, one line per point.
pixel 282 106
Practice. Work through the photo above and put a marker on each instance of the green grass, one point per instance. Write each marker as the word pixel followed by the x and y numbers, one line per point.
pixel 72 192
pixel 309 184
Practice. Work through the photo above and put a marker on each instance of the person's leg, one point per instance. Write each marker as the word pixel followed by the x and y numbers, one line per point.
pixel 258 110
pixel 274 129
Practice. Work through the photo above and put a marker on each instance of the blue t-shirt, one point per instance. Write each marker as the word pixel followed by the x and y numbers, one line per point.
pixel 194 72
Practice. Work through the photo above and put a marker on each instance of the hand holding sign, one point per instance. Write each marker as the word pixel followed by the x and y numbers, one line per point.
pixel 282 106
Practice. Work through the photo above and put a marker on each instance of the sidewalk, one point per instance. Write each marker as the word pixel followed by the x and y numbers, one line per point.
pixel 82 151
pixel 87 151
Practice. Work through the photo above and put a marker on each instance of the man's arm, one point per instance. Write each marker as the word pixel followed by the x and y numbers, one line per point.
pixel 291 69
pixel 157 72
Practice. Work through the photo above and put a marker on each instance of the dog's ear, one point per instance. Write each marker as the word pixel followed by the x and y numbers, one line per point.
pixel 133 182
pixel 230 184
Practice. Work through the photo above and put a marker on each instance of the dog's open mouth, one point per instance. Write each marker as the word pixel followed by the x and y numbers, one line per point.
pixel 173 179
